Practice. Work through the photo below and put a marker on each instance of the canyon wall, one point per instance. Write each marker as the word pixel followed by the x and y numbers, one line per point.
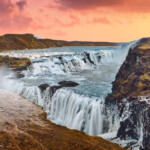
pixel 131 92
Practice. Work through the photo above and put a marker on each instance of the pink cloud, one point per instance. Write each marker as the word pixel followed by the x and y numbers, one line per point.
pixel 11 18
pixel 87 4
pixel 6 7
pixel 16 22
pixel 117 5
pixel 21 4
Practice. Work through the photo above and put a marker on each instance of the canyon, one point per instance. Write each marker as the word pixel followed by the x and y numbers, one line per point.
pixel 102 91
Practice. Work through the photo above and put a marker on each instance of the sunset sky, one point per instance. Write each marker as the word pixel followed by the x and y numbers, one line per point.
pixel 86 20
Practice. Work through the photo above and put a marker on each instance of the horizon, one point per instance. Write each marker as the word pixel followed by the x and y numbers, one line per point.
pixel 80 20
pixel 68 40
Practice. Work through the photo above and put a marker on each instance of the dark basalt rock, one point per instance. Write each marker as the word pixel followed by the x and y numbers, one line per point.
pixel 68 84
pixel 43 87
pixel 88 57
pixel 136 124
pixel 19 75
pixel 54 88
pixel 132 82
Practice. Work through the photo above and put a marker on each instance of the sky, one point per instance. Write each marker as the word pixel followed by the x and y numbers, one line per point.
pixel 84 20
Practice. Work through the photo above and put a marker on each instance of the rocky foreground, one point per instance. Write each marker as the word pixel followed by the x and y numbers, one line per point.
pixel 29 41
pixel 131 91
pixel 23 126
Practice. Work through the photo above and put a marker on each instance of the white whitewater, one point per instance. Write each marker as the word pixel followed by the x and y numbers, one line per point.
pixel 65 106
pixel 77 112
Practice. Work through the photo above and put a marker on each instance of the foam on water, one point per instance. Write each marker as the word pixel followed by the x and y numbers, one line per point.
pixel 77 112
pixel 81 107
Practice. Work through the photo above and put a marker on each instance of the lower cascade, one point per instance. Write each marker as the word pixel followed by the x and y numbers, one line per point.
pixel 77 112
pixel 82 107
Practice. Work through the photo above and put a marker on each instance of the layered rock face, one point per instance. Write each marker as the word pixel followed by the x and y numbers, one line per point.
pixel 23 126
pixel 15 63
pixel 29 41
pixel 131 91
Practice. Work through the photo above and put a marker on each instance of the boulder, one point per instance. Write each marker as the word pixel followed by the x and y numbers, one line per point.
pixel 68 84
pixel 43 87
pixel 62 84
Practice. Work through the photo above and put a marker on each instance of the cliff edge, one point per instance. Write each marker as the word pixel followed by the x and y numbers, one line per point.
pixel 23 126
pixel 133 78
pixel 131 92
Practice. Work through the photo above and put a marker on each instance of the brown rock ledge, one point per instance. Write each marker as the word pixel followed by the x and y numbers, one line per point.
pixel 15 63
pixel 23 126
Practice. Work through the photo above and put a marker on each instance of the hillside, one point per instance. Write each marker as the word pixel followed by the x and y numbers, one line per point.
pixel 28 41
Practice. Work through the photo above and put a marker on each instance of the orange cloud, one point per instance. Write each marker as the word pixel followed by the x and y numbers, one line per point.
pixel 87 4
pixel 117 5
pixel 102 20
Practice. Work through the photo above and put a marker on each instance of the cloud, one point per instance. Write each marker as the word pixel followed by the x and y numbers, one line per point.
pixel 6 7
pixel 16 22
pixel 102 20
pixel 117 5
pixel 10 17
pixel 87 4
pixel 21 4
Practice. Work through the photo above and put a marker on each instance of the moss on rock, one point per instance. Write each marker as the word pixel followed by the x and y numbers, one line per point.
pixel 15 63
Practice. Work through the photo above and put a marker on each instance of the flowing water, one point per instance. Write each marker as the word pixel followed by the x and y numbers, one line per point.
pixel 81 107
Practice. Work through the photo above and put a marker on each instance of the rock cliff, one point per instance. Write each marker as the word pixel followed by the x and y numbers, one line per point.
pixel 23 126
pixel 131 91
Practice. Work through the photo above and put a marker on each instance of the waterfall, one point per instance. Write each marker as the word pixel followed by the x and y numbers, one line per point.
pixel 77 112
pixel 67 107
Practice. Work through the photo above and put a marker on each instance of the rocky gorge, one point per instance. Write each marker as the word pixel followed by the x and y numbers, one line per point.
pixel 127 104
pixel 131 92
